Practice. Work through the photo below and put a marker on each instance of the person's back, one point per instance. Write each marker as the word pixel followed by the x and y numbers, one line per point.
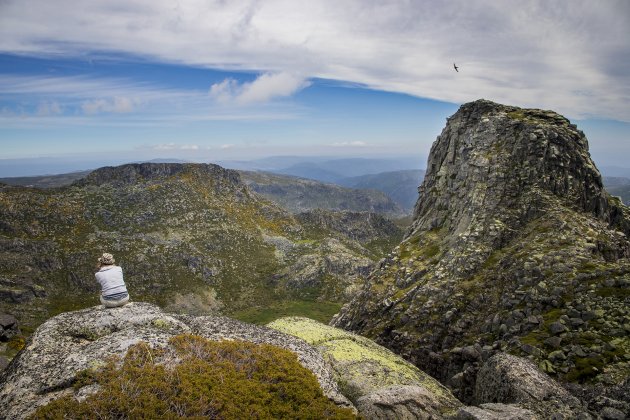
pixel 110 277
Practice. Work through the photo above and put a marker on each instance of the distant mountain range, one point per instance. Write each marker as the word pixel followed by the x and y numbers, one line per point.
pixel 324 169
pixel 618 186
pixel 400 186
pixel 293 193
pixel 299 194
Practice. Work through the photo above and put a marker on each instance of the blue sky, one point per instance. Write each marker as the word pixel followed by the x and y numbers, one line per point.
pixel 246 79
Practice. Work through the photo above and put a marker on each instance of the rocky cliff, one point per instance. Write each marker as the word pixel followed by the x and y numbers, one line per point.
pixel 190 237
pixel 515 246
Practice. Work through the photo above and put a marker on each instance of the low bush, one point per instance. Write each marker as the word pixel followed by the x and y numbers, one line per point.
pixel 197 378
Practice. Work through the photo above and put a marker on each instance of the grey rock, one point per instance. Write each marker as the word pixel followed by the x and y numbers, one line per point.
pixel 553 342
pixel 495 411
pixel 8 327
pixel 611 413
pixel 4 362
pixel 471 353
pixel 557 328
pixel 74 341
pixel 384 383
pixel 513 380
pixel 400 402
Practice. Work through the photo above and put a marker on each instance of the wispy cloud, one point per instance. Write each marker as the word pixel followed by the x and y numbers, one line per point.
pixel 56 94
pixel 117 105
pixel 174 146
pixel 525 52
pixel 266 87
pixel 69 97
pixel 45 109
pixel 356 143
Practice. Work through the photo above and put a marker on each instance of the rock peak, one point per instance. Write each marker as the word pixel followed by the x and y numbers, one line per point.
pixel 490 157
pixel 515 245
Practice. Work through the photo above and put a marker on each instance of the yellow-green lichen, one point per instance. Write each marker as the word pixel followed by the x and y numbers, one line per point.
pixel 361 366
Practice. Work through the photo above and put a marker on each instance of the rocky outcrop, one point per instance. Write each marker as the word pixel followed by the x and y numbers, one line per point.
pixel 494 411
pixel 509 379
pixel 515 246
pixel 75 341
pixel 381 384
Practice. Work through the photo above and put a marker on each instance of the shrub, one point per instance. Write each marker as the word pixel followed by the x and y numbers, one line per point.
pixel 199 378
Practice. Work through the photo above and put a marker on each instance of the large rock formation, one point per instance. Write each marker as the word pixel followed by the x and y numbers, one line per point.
pixel 190 237
pixel 75 341
pixel 515 246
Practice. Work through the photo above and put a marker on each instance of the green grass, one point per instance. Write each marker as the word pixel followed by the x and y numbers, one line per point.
pixel 613 292
pixel 319 311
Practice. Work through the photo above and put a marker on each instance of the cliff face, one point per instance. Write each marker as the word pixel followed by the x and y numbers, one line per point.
pixel 515 245
pixel 190 237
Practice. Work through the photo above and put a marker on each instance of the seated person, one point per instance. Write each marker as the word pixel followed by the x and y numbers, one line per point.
pixel 110 276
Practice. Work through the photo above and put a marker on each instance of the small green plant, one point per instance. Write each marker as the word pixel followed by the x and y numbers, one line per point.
pixel 199 378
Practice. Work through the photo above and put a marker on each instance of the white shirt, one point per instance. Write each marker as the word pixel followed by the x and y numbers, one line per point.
pixel 111 280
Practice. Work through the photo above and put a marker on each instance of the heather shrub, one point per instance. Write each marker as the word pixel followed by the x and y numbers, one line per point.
pixel 198 378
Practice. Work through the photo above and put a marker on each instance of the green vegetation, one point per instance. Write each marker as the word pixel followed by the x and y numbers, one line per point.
pixel 320 311
pixel 517 115
pixel 198 378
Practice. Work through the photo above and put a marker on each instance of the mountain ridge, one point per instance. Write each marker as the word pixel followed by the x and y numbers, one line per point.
pixel 185 234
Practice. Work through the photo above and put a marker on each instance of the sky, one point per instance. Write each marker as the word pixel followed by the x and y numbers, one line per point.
pixel 244 79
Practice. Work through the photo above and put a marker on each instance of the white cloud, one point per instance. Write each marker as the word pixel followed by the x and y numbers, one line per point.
pixel 117 105
pixel 350 144
pixel 173 146
pixel 45 109
pixel 266 87
pixel 524 52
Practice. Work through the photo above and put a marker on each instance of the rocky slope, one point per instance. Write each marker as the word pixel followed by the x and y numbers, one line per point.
pixel 191 237
pixel 300 194
pixel 515 246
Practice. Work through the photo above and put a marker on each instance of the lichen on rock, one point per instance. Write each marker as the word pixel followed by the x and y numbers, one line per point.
pixel 371 376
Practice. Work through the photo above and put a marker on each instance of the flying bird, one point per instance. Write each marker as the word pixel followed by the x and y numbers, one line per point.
pixel 454 65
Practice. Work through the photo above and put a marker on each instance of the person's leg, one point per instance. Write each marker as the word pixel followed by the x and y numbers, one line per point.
pixel 114 303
